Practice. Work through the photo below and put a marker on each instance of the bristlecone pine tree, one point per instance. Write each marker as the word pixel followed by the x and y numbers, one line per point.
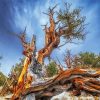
pixel 69 25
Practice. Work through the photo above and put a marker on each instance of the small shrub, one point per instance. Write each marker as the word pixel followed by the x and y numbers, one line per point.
pixel 52 69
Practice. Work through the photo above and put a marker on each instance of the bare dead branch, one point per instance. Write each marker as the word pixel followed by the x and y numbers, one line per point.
pixel 68 42
pixel 45 13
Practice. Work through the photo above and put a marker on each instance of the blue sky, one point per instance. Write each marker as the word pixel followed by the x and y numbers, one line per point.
pixel 15 15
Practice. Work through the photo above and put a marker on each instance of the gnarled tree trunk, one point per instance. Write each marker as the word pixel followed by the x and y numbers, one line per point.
pixel 72 79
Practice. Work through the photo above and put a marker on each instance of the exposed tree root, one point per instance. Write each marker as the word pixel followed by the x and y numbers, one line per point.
pixel 74 80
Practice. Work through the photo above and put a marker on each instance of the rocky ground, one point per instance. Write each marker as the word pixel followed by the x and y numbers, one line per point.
pixel 62 96
pixel 68 96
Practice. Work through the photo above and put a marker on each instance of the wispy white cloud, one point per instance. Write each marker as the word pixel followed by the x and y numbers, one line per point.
pixel 24 19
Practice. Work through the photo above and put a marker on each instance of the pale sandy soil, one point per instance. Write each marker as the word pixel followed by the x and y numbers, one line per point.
pixel 7 97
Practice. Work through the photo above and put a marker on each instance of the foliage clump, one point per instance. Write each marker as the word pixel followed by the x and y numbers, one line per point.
pixel 90 59
pixel 16 69
pixel 2 79
pixel 73 22
pixel 52 69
